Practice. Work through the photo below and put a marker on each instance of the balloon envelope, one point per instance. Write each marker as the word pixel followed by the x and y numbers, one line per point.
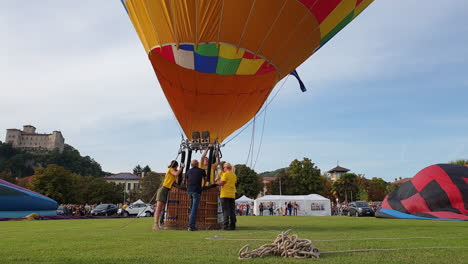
pixel 218 60
pixel 438 192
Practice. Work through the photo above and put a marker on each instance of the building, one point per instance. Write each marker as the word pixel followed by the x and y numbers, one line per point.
pixel 29 140
pixel 336 172
pixel 129 180
pixel 267 184
pixel 400 180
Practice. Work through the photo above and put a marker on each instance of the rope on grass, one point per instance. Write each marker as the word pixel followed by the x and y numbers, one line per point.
pixel 284 246
pixel 388 249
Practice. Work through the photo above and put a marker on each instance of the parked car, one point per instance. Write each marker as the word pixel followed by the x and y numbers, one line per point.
pixel 360 209
pixel 139 209
pixel 104 209
pixel 62 210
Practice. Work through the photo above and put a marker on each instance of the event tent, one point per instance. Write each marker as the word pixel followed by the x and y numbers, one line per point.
pixel 244 200
pixel 17 202
pixel 308 205
pixel 139 202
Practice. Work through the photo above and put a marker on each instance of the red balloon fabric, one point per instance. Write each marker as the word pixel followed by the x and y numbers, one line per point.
pixel 438 192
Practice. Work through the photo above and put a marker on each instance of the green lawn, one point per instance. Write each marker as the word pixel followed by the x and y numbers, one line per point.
pixel 95 241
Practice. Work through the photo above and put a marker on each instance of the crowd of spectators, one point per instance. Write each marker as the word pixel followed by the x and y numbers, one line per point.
pixel 244 209
pixel 289 208
pixel 79 209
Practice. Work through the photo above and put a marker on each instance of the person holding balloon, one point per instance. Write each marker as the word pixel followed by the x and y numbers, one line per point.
pixel 228 181
pixel 161 197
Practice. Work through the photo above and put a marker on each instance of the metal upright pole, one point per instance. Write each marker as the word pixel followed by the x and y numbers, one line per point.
pixel 210 162
pixel 187 167
pixel 182 160
pixel 279 184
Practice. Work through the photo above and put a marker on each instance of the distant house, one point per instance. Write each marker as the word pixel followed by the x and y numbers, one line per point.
pixel 400 181
pixel 25 181
pixel 336 172
pixel 129 180
pixel 267 178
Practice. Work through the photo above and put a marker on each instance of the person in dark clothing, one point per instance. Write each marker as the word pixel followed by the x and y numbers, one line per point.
pixel 289 208
pixel 194 189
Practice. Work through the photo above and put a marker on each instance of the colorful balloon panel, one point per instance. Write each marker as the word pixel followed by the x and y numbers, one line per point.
pixel 438 192
pixel 226 38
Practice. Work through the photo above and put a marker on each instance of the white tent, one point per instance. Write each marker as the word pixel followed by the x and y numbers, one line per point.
pixel 139 202
pixel 308 205
pixel 244 200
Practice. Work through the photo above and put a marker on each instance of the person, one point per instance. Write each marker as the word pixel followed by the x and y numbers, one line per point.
pixel 295 208
pixel 194 189
pixel 289 208
pixel 247 209
pixel 205 161
pixel 261 208
pixel 227 181
pixel 271 208
pixel 161 197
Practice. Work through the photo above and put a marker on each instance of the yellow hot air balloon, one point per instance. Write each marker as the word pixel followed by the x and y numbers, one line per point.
pixel 218 60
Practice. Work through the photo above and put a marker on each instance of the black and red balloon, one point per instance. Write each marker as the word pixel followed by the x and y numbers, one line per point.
pixel 438 192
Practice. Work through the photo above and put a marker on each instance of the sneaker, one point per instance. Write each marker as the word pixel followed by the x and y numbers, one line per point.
pixel 192 229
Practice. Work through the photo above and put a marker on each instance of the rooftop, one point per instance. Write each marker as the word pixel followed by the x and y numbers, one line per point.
pixel 123 176
pixel 338 169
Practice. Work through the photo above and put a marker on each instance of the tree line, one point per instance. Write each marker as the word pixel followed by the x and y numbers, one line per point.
pixel 19 163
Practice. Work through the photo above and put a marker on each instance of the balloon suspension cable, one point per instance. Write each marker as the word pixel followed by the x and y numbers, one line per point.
pixel 251 147
pixel 260 112
pixel 261 138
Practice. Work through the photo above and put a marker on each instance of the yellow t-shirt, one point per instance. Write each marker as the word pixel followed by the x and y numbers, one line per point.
pixel 169 179
pixel 204 167
pixel 228 190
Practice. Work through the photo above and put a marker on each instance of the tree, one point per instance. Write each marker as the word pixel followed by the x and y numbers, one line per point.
pixel 7 176
pixel 21 163
pixel 149 186
pixel 249 182
pixel 100 191
pixel 146 169
pixel 137 170
pixel 391 187
pixel 346 187
pixel 280 183
pixel 377 189
pixel 459 162
pixel 301 177
pixel 363 187
pixel 134 195
pixel 18 162
pixel 66 187
pixel 327 188
pixel 72 160
pixel 57 183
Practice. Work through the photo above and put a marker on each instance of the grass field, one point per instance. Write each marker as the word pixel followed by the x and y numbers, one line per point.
pixel 97 241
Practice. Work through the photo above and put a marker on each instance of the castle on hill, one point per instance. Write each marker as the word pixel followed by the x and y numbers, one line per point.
pixel 27 139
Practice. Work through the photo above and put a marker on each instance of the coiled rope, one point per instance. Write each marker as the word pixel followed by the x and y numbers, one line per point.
pixel 284 246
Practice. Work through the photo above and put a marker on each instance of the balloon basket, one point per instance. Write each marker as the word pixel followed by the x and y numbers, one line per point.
pixel 178 210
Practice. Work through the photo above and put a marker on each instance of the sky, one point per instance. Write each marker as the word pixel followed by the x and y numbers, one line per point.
pixel 386 97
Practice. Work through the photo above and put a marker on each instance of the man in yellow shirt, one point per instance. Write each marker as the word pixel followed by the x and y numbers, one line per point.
pixel 227 181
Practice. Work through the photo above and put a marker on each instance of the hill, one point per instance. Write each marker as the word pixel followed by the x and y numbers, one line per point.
pixel 19 163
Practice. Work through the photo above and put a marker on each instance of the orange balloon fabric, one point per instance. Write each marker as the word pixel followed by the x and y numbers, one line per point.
pixel 218 60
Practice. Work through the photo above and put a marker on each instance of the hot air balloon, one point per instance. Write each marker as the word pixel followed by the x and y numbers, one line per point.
pixel 218 60
pixel 437 192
